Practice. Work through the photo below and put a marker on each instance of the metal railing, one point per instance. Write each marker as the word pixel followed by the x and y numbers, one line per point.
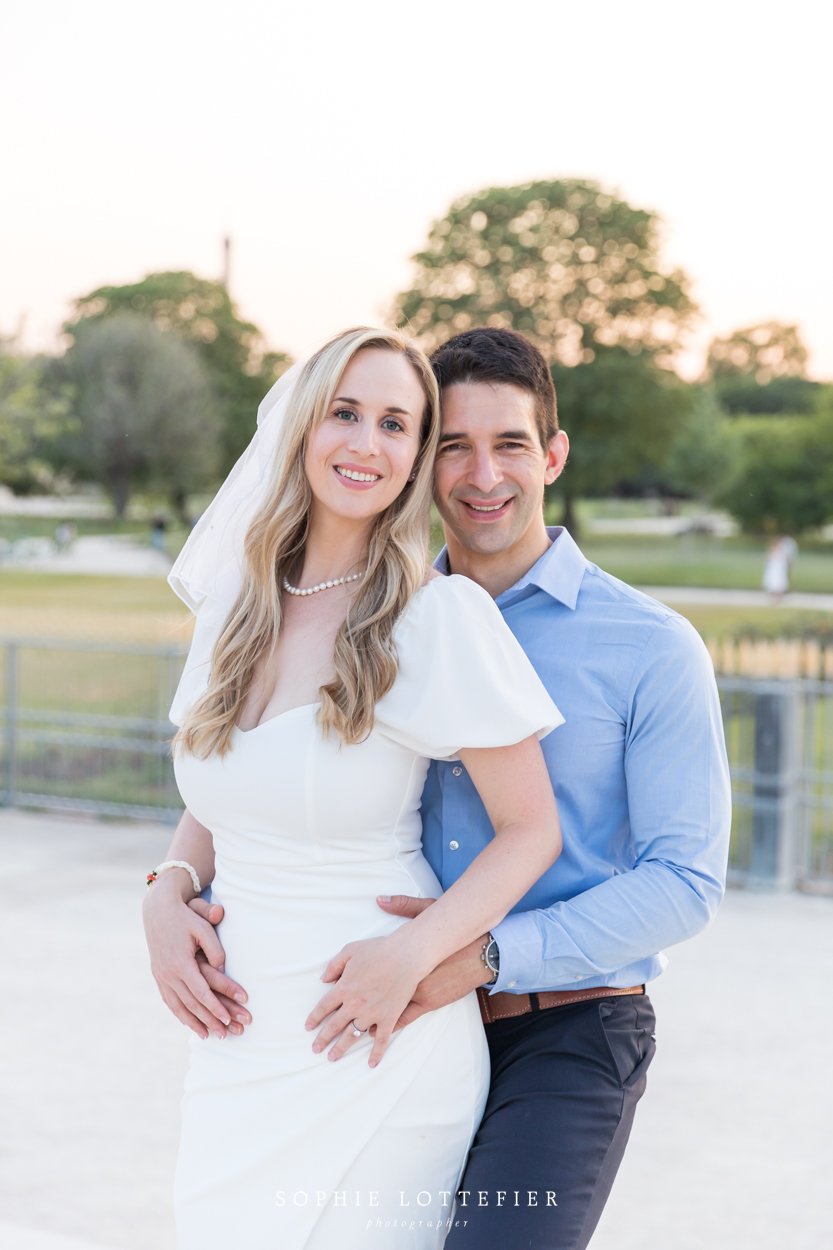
pixel 84 727
pixel 779 734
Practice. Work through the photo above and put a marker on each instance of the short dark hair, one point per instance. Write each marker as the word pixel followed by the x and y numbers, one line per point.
pixel 487 354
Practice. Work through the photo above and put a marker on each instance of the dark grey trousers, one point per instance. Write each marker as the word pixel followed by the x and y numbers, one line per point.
pixel 565 1084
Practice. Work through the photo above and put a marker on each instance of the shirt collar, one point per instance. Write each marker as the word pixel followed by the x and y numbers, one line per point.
pixel 558 572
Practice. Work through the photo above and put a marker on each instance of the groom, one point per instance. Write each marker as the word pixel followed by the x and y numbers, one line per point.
pixel 641 778
pixel 640 773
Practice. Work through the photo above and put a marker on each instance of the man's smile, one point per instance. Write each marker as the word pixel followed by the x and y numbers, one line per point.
pixel 486 509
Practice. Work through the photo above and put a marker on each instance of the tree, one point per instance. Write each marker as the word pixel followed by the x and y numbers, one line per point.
pixel 703 454
pixel 566 263
pixel 201 312
pixel 742 394
pixel 784 481
pixel 758 353
pixel 30 416
pixel 622 413
pixel 760 369
pixel 145 409
pixel 576 270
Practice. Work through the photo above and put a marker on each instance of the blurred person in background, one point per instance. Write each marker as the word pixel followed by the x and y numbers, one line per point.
pixel 780 555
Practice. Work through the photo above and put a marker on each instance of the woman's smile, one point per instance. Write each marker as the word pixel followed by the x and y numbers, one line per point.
pixel 354 476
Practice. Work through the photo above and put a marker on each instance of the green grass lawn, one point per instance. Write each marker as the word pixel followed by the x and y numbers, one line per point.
pixel 13 528
pixel 143 610
pixel 116 609
pixel 695 560
pixel 78 760
pixel 125 763
pixel 735 563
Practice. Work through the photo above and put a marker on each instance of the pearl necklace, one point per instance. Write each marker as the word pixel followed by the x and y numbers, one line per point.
pixel 313 590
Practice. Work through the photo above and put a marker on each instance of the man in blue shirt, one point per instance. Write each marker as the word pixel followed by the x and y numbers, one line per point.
pixel 640 773
pixel 641 777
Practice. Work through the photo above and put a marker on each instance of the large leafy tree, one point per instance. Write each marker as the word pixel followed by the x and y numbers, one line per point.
pixel 145 410
pixel 567 263
pixel 623 414
pixel 578 271
pixel 240 366
pixel 31 414
pixel 784 478
pixel 704 451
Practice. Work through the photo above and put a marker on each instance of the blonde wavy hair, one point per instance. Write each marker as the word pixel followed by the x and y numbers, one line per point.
pixel 364 656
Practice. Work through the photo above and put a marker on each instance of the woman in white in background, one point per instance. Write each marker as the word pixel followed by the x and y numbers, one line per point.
pixel 779 557
pixel 328 666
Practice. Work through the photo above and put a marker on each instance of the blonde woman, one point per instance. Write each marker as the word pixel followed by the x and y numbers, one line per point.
pixel 328 666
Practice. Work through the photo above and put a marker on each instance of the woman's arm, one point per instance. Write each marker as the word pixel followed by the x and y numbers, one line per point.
pixel 193 843
pixel 376 978
pixel 182 943
pixel 516 790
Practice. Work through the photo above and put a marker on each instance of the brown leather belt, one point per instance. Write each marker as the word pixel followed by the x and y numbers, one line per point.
pixel 504 1006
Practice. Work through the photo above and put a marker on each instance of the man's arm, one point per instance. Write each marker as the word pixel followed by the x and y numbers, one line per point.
pixel 679 808
pixel 679 803
pixel 186 955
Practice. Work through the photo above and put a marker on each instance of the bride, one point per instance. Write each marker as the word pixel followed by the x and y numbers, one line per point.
pixel 328 666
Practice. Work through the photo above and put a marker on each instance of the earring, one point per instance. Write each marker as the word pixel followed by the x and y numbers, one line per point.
pixel 412 478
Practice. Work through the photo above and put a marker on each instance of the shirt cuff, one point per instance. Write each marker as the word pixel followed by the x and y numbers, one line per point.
pixel 519 943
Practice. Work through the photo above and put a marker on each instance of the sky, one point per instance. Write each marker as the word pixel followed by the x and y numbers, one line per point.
pixel 325 138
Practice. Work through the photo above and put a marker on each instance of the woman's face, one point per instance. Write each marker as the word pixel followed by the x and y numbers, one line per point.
pixel 359 458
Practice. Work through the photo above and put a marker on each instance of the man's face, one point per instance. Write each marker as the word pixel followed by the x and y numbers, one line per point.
pixel 491 469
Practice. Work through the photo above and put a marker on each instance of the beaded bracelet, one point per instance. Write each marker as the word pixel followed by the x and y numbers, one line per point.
pixel 176 863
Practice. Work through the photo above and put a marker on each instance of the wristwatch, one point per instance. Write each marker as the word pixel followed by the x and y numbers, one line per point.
pixel 490 954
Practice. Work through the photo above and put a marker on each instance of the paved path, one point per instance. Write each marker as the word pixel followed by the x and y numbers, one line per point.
pixel 732 1148
pixel 110 555
pixel 53 505
pixel 710 524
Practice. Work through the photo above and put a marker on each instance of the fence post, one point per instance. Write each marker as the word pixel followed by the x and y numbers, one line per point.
pixel 773 858
pixel 11 723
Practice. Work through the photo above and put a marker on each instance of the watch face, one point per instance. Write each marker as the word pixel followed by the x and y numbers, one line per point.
pixel 493 956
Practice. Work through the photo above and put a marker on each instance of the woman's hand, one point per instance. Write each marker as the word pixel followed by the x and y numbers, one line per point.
pixel 374 981
pixel 183 947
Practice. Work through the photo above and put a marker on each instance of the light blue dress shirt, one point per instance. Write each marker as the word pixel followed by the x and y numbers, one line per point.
pixel 639 771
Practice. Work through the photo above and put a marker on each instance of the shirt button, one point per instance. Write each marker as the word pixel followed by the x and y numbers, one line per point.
pixel 511 984
pixel 454 845
pixel 456 771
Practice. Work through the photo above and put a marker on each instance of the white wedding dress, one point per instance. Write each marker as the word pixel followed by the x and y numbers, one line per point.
pixel 282 1149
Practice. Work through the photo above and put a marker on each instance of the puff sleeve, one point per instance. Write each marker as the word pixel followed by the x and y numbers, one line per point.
pixel 463 680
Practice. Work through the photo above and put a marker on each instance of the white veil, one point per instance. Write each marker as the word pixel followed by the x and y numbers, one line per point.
pixel 210 565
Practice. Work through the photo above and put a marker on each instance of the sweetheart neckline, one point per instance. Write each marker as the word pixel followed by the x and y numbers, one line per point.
pixel 299 707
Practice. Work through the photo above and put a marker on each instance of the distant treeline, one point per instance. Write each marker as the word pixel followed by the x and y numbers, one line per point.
pixel 158 387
